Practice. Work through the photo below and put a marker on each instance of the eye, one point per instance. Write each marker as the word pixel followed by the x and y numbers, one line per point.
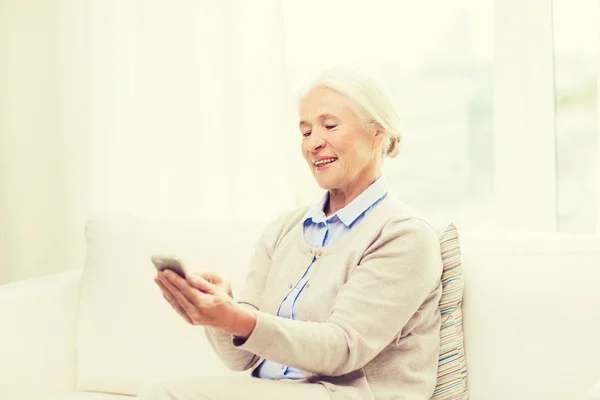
pixel 306 134
pixel 330 126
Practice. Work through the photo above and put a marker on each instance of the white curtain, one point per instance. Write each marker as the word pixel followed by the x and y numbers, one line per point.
pixel 162 109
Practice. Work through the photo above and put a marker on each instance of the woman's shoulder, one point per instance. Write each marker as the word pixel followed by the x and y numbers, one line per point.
pixel 396 212
pixel 410 234
pixel 280 226
pixel 287 219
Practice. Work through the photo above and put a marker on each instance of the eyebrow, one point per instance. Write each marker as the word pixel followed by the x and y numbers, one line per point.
pixel 321 118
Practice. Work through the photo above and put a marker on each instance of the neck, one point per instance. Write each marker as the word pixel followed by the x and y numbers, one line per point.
pixel 340 198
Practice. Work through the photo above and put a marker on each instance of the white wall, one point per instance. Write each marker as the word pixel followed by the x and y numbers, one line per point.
pixel 158 109
pixel 40 43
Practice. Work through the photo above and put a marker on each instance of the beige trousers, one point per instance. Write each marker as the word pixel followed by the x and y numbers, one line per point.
pixel 231 388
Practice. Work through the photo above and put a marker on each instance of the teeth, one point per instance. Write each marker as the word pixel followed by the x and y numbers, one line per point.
pixel 325 161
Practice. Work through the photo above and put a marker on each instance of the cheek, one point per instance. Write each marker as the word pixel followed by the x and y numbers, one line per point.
pixel 347 150
pixel 303 150
pixel 354 153
pixel 365 148
pixel 341 145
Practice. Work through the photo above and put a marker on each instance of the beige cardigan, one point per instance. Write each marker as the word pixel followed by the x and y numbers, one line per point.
pixel 368 325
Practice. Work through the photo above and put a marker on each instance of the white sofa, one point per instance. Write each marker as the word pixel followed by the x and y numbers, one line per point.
pixel 531 314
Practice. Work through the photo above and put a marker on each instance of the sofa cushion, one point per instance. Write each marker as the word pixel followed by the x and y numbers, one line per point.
pixel 127 334
pixel 452 368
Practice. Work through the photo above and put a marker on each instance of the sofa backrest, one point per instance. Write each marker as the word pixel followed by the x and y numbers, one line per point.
pixel 127 334
pixel 531 315
pixel 531 307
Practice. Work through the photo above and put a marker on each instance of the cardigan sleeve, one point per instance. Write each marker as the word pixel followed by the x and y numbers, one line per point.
pixel 222 342
pixel 396 275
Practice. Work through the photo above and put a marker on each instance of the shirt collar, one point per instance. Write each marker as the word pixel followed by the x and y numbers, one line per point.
pixel 315 212
pixel 352 211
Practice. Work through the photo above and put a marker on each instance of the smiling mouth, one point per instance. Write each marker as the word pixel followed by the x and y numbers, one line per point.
pixel 324 162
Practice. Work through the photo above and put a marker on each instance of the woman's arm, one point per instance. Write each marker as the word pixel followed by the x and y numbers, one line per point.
pixel 234 357
pixel 221 341
pixel 400 272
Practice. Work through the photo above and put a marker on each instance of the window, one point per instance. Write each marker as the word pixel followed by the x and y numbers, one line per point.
pixel 576 76
pixel 438 66
pixel 499 101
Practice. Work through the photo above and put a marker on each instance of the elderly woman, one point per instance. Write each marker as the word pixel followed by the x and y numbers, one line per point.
pixel 341 298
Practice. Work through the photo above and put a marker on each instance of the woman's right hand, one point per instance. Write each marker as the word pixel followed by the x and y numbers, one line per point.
pixel 202 298
pixel 220 282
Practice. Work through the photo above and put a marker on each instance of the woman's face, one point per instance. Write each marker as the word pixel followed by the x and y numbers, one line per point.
pixel 340 152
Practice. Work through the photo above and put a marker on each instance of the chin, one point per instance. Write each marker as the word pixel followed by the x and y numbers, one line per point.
pixel 326 184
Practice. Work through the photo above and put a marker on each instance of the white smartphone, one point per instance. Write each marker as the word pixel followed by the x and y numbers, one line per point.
pixel 163 262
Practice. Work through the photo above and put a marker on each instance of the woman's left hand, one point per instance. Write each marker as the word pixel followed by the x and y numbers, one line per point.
pixel 200 301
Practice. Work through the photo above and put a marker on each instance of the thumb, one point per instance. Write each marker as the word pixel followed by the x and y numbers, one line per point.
pixel 210 276
pixel 199 282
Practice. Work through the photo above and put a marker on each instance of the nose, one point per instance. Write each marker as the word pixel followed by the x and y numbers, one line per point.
pixel 315 143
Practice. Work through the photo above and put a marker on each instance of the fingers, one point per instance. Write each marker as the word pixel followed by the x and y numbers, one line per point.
pixel 175 288
pixel 169 297
pixel 211 276
pixel 179 310
pixel 210 282
pixel 200 282
pixel 190 299
pixel 191 294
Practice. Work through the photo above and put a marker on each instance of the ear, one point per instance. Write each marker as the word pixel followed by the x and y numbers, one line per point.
pixel 379 136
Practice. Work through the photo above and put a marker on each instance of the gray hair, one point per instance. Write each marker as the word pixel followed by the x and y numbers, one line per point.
pixel 371 102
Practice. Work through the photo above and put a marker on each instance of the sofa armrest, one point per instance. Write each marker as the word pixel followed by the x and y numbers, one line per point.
pixel 37 334
pixel 594 392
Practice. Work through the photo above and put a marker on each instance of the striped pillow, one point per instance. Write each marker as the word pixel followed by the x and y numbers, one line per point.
pixel 452 366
